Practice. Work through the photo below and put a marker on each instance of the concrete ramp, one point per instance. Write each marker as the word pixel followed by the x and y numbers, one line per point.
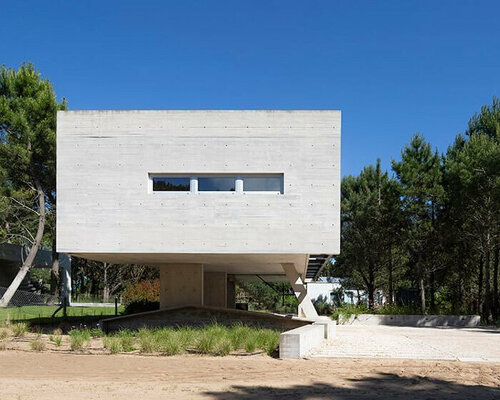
pixel 201 315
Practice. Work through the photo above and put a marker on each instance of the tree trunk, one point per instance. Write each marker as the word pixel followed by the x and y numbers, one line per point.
pixel 433 291
pixel 4 301
pixel 480 287
pixel 421 286
pixel 496 305
pixel 54 270
pixel 391 289
pixel 105 294
pixel 487 292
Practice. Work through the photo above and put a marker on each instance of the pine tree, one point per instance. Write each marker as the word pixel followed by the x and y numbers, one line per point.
pixel 28 108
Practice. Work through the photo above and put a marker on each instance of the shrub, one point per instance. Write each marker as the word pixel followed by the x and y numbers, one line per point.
pixel 186 337
pixel 251 343
pixel 57 340
pixel 206 342
pixel 78 338
pixel 147 342
pixel 37 345
pixel 141 296
pixel 113 344
pixel 170 343
pixel 19 329
pixel 127 341
pixel 223 346
pixel 4 334
pixel 237 335
pixel 271 343
pixel 96 332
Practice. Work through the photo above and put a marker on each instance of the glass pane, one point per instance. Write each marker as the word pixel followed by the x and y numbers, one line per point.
pixel 216 184
pixel 262 184
pixel 166 184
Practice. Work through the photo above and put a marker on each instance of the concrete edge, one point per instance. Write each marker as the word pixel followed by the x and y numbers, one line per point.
pixel 465 321
pixel 299 342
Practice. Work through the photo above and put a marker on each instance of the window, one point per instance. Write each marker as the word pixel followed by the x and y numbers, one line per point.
pixel 170 184
pixel 263 184
pixel 236 183
pixel 216 184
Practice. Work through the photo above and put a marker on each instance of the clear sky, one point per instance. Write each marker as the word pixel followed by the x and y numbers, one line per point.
pixel 392 67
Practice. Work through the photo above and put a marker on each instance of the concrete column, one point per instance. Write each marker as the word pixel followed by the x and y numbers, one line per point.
pixel 306 308
pixel 231 292
pixel 65 270
pixel 215 289
pixel 181 285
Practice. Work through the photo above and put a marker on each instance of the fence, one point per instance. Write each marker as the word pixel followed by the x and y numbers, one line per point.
pixel 25 298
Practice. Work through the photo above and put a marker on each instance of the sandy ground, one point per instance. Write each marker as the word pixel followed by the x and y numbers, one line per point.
pixel 52 375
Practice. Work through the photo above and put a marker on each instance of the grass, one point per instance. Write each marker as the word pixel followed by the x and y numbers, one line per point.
pixel 113 344
pixel 4 334
pixel 214 339
pixel 19 329
pixel 78 338
pixel 38 344
pixel 42 314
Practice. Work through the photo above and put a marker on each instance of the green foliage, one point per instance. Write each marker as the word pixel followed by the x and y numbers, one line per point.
pixel 115 344
pixel 78 338
pixel 141 296
pixel 435 228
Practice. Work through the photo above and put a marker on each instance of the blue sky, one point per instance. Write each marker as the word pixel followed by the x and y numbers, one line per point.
pixel 392 67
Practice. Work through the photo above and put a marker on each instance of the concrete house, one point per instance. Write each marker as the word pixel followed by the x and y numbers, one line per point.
pixel 202 195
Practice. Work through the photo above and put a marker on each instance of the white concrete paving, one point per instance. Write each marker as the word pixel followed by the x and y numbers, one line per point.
pixel 463 344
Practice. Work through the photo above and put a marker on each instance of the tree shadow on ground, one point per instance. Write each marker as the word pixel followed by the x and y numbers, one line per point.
pixel 381 386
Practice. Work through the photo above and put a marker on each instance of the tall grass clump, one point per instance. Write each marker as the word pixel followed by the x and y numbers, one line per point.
pixel 96 333
pixel 127 340
pixel 206 341
pixel 38 344
pixel 4 334
pixel 19 329
pixel 113 344
pixel 78 338
pixel 237 334
pixel 169 341
pixel 147 342
pixel 187 337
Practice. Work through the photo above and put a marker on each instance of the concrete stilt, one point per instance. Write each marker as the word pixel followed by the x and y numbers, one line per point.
pixel 215 289
pixel 306 308
pixel 181 284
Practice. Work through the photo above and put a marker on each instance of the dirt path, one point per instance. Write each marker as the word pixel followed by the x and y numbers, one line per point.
pixel 28 375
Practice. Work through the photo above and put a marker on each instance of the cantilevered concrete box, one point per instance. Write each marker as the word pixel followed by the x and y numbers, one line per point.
pixel 107 208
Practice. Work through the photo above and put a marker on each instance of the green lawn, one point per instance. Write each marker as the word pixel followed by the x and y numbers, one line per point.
pixel 35 313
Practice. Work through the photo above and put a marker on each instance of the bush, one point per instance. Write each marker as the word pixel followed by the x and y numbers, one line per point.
pixel 4 334
pixel 56 338
pixel 206 342
pixel 96 332
pixel 113 344
pixel 78 338
pixel 127 340
pixel 147 342
pixel 19 329
pixel 141 296
pixel 223 347
pixel 169 342
pixel 37 345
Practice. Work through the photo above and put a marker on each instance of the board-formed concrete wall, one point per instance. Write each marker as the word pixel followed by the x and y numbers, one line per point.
pixel 105 157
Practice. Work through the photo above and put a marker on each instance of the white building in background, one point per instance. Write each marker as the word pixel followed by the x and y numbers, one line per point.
pixel 331 291
pixel 201 194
